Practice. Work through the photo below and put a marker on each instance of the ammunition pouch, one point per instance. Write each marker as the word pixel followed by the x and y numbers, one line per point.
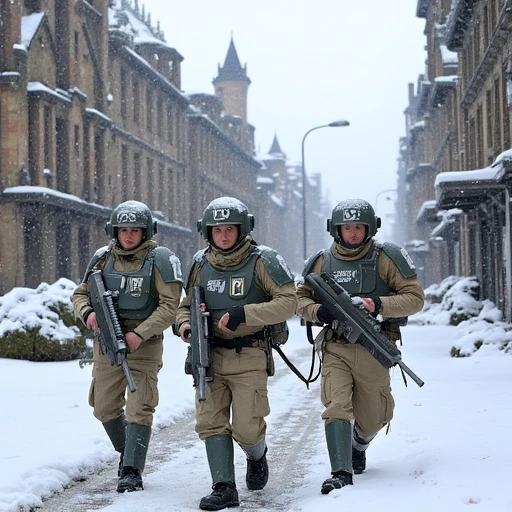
pixel 277 334
pixel 391 329
pixel 189 367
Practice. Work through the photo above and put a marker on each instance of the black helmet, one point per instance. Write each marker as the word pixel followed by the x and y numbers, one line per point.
pixel 226 210
pixel 353 211
pixel 133 214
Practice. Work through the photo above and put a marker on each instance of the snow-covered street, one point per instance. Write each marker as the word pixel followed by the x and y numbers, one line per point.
pixel 443 451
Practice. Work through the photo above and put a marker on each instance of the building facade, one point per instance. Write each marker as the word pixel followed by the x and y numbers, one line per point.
pixel 455 161
pixel 92 114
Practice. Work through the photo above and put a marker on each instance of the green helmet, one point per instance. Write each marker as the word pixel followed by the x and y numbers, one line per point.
pixel 226 210
pixel 353 211
pixel 133 214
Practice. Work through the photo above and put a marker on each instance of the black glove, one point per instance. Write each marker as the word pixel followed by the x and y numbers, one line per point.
pixel 324 315
pixel 236 317
pixel 378 306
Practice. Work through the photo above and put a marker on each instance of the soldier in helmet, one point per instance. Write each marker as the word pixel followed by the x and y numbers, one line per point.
pixel 247 287
pixel 148 279
pixel 356 389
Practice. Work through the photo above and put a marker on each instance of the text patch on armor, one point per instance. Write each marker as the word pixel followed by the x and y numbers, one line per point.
pixel 351 214
pixel 221 214
pixel 346 276
pixel 237 287
pixel 135 286
pixel 405 254
pixel 126 218
pixel 216 285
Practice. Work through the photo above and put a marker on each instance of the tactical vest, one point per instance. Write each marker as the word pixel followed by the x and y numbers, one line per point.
pixel 230 287
pixel 138 297
pixel 358 277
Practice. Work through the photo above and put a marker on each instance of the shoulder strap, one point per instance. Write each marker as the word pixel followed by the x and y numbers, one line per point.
pixel 275 265
pixel 101 253
pixel 400 258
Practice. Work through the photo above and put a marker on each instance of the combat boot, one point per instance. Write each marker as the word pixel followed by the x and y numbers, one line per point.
pixel 257 467
pixel 220 453
pixel 134 458
pixel 224 495
pixel 359 446
pixel 358 461
pixel 130 480
pixel 338 434
pixel 337 481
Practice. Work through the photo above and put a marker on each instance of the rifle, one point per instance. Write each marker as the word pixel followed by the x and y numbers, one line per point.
pixel 356 324
pixel 200 358
pixel 111 336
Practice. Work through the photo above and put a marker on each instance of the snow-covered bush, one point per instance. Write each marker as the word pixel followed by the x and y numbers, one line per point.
pixel 451 302
pixel 479 323
pixel 39 325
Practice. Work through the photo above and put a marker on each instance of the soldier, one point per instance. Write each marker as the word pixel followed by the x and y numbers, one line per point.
pixel 246 288
pixel 148 279
pixel 356 389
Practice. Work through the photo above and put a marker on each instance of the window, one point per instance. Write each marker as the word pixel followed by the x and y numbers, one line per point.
pixel 136 175
pixel 124 172
pixel 124 93
pixel 149 109
pixel 135 100
pixel 62 254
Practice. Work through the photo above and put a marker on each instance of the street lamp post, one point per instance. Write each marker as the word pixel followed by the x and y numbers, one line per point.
pixel 387 191
pixel 334 124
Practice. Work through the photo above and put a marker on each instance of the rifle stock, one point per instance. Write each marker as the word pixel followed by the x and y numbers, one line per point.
pixel 111 336
pixel 356 324
pixel 201 350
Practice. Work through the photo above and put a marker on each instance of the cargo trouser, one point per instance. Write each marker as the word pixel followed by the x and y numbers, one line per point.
pixel 108 394
pixel 237 400
pixel 355 386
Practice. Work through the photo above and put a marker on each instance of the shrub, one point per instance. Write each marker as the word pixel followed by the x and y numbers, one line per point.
pixel 39 325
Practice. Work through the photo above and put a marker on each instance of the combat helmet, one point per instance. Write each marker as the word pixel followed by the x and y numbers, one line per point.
pixel 133 214
pixel 226 210
pixel 353 211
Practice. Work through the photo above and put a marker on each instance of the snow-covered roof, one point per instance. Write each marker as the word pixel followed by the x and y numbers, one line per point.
pixel 448 57
pixel 29 26
pixel 276 200
pixel 476 176
pixel 33 87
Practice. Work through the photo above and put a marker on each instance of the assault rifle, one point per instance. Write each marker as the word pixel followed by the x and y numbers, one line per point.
pixel 200 358
pixel 111 336
pixel 356 324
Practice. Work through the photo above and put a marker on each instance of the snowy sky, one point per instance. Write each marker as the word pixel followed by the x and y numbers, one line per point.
pixel 446 449
pixel 312 63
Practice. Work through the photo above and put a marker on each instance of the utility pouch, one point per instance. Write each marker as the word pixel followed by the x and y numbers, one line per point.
pixel 277 334
pixel 188 362
pixel 391 330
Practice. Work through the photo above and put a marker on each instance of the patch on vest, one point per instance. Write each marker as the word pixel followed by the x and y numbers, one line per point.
pixel 237 287
pixel 407 258
pixel 346 276
pixel 135 286
pixel 216 285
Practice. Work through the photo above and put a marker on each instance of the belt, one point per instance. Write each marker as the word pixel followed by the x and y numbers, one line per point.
pixel 239 342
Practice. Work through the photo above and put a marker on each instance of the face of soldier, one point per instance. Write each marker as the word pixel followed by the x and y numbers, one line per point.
pixel 225 236
pixel 353 234
pixel 129 238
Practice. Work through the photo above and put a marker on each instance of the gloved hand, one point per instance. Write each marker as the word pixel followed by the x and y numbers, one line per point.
pixel 236 317
pixel 324 315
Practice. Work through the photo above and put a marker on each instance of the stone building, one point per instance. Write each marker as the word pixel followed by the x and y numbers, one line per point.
pixel 455 161
pixel 91 114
